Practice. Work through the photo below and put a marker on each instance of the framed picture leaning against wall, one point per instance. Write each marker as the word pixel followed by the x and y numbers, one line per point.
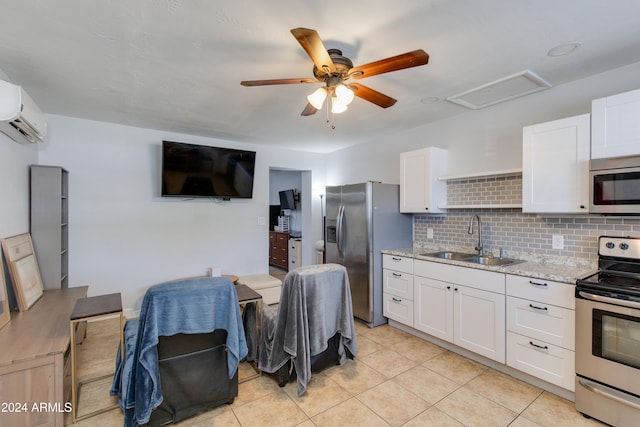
pixel 5 314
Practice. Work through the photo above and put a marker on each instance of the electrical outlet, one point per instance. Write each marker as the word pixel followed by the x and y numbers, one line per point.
pixel 429 233
pixel 557 241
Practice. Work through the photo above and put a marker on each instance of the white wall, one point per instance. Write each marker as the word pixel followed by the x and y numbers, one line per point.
pixel 15 159
pixel 481 140
pixel 124 237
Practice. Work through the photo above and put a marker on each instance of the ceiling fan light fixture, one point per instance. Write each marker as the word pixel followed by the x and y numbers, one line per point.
pixel 336 106
pixel 317 98
pixel 344 94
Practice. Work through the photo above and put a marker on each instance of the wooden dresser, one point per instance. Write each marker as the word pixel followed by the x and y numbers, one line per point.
pixel 34 361
pixel 278 249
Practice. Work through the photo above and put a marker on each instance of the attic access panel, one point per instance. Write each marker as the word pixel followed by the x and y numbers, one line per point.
pixel 504 89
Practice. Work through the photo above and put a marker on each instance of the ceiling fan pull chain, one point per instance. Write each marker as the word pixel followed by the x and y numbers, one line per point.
pixel 330 111
pixel 327 108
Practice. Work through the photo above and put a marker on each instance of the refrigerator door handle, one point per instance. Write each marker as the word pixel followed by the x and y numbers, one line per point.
pixel 339 229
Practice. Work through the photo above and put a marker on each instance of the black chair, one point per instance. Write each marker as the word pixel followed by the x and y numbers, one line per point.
pixel 188 341
pixel 193 374
pixel 311 328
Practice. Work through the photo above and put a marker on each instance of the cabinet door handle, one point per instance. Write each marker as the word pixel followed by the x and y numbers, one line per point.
pixel 542 347
pixel 455 289
pixel 537 284
pixel 538 308
pixel 449 287
pixel 396 274
pixel 396 258
pixel 396 299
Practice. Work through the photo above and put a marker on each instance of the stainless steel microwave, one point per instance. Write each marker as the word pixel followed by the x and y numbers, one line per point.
pixel 615 186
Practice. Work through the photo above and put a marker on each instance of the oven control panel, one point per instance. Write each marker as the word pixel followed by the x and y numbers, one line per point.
pixel 620 247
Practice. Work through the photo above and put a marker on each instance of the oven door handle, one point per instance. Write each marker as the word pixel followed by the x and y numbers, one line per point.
pixel 594 388
pixel 600 298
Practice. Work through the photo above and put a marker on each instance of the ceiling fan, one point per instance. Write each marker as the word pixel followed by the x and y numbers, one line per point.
pixel 334 70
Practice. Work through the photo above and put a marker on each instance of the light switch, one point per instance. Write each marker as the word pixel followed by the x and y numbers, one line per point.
pixel 261 220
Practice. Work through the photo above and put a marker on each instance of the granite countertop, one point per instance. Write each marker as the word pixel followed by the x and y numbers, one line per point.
pixel 557 269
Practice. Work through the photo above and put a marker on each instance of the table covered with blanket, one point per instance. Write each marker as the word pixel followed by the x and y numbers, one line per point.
pixel 187 306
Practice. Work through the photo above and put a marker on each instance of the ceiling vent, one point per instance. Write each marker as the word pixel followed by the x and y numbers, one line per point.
pixel 504 89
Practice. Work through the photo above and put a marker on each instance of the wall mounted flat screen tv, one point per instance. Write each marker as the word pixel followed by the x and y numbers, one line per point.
pixel 287 199
pixel 190 170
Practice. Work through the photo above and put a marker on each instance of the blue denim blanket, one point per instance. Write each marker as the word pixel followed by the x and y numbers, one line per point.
pixel 186 306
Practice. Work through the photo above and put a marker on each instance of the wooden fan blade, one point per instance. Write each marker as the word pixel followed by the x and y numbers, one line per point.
pixel 312 44
pixel 394 63
pixel 276 82
pixel 309 110
pixel 368 94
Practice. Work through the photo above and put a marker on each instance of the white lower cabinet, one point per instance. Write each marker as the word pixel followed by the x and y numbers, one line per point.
pixel 452 303
pixel 479 319
pixel 543 360
pixel 523 322
pixel 541 329
pixel 551 324
pixel 397 288
pixel 295 253
pixel 398 309
pixel 433 305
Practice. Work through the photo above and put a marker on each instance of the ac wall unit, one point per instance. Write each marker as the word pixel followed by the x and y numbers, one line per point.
pixel 20 117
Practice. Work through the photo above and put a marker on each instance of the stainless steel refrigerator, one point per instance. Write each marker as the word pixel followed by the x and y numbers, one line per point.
pixel 361 220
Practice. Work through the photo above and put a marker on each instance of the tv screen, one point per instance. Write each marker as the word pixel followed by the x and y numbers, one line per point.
pixel 190 170
pixel 288 199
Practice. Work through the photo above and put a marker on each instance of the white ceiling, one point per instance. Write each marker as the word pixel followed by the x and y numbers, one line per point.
pixel 176 65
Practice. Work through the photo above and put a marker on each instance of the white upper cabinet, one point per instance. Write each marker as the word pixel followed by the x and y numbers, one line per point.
pixel 615 127
pixel 420 189
pixel 555 166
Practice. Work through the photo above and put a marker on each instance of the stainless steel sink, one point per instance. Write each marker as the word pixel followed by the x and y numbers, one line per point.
pixel 457 256
pixel 492 261
pixel 483 260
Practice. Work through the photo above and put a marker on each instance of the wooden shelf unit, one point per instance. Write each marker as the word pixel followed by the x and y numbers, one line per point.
pixel 50 223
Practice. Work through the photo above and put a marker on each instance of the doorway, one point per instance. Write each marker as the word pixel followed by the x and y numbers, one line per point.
pixel 294 251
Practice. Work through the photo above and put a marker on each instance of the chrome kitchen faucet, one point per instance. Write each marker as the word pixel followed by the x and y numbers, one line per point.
pixel 478 248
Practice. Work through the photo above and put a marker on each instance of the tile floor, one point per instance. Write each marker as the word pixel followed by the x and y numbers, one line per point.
pixel 396 380
pixel 278 272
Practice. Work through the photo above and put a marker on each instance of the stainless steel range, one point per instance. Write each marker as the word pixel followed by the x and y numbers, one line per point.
pixel 608 335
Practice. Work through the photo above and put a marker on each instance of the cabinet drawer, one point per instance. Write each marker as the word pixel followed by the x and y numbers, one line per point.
pixel 546 291
pixel 397 263
pixel 542 360
pixel 279 252
pixel 555 325
pixel 398 309
pixel 293 248
pixel 472 277
pixel 293 263
pixel 397 283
